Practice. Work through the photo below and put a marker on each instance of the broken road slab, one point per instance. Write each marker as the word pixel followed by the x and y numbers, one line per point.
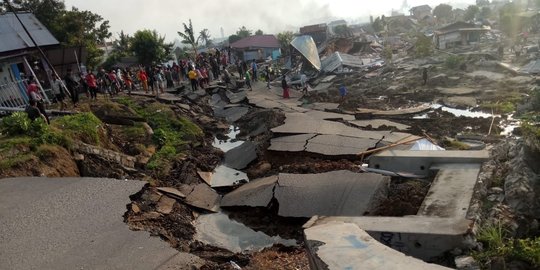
pixel 240 156
pixel 340 245
pixel 231 114
pixel 76 223
pixel 295 143
pixel 335 145
pixel 202 196
pixel 256 193
pixel 405 111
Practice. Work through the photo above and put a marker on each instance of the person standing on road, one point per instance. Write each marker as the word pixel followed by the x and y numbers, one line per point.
pixel 424 76
pixel 285 87
pixel 342 93
pixel 92 84
pixel 247 79
pixel 33 111
pixel 193 79
pixel 254 69
pixel 268 77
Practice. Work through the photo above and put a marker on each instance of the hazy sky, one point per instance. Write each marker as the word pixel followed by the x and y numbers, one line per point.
pixel 271 16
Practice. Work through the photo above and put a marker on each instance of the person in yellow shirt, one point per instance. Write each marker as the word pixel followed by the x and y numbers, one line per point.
pixel 192 74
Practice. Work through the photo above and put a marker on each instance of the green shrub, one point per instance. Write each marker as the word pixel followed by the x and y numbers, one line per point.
pixel 82 126
pixel 454 61
pixel 423 46
pixel 17 123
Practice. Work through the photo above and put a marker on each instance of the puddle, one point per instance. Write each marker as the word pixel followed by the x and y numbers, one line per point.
pixel 465 113
pixel 510 125
pixel 231 142
pixel 224 176
pixel 456 112
pixel 220 231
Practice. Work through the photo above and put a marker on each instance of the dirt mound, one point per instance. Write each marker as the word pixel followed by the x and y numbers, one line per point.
pixel 49 160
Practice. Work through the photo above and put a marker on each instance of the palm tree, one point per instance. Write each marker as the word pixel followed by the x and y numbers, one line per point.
pixel 189 37
pixel 204 35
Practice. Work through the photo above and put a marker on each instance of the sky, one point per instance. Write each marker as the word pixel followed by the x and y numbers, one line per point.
pixel 271 16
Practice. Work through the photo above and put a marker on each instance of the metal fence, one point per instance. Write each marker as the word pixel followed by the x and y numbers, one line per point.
pixel 13 94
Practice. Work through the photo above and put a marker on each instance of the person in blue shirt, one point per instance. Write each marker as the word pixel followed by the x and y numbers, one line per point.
pixel 254 70
pixel 342 93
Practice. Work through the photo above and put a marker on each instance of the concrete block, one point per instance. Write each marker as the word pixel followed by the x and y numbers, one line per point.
pixel 451 191
pixel 339 245
pixel 419 162
pixel 417 236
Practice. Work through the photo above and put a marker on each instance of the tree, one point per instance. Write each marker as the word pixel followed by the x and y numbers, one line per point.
pixel 121 47
pixel 285 39
pixel 482 3
pixel 188 37
pixel 149 47
pixel 259 32
pixel 509 21
pixel 204 35
pixel 423 46
pixel 377 25
pixel 471 12
pixel 443 12
pixel 485 12
pixel 234 38
pixel 243 32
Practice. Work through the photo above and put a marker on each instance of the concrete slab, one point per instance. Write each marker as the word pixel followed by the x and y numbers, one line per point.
pixel 338 245
pixel 419 162
pixel 256 193
pixel 335 145
pixel 377 123
pixel 451 191
pixel 231 114
pixel 172 192
pixel 236 97
pixel 455 91
pixel 202 196
pixel 299 123
pixel 76 223
pixel 320 115
pixel 295 143
pixel 488 74
pixel 239 157
pixel 336 193
pixel 321 106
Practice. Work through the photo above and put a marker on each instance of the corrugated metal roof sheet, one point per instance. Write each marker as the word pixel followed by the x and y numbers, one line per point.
pixel 307 47
pixel 260 41
pixel 14 38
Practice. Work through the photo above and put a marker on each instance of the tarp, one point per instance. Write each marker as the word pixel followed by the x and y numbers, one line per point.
pixel 425 144
pixel 307 47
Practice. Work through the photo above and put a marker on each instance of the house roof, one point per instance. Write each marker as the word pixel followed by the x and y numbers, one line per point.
pixel 421 8
pixel 13 38
pixel 455 26
pixel 260 41
pixel 313 28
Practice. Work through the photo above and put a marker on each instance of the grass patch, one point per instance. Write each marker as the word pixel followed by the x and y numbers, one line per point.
pixel 455 145
pixel 499 107
pixel 171 132
pixel 136 131
pixel 498 245
pixel 83 126
pixel 10 162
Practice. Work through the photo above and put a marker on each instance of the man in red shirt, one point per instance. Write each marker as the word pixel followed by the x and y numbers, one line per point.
pixel 92 84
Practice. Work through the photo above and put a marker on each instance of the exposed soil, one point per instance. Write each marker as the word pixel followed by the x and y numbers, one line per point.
pixel 404 198
pixel 55 162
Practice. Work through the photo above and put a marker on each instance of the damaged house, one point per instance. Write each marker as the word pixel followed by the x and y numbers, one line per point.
pixel 257 47
pixel 457 34
pixel 19 58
